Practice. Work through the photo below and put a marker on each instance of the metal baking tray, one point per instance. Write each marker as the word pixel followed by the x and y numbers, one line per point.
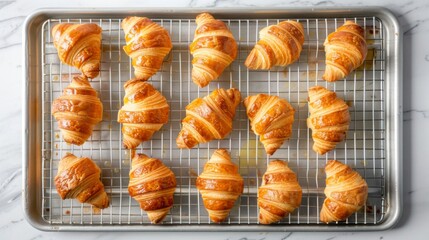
pixel 373 145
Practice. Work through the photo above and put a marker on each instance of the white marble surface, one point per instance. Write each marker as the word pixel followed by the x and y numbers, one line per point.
pixel 414 19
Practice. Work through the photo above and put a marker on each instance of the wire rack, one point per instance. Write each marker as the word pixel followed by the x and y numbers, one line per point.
pixel 364 148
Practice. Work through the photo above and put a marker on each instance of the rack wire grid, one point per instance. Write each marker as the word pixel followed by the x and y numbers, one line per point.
pixel 363 149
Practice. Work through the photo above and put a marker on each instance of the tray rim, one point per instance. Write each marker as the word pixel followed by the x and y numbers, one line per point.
pixel 394 107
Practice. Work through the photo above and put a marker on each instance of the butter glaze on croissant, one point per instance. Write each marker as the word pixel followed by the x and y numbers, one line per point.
pixel 144 112
pixel 79 45
pixel 346 192
pixel 152 184
pixel 77 111
pixel 80 178
pixel 220 185
pixel 280 193
pixel 279 45
pixel 329 119
pixel 214 48
pixel 147 43
pixel 209 118
pixel 271 118
pixel 345 49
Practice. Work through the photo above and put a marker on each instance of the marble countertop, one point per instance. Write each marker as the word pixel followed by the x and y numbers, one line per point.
pixel 414 21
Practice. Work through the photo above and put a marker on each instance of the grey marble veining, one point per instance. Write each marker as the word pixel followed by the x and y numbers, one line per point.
pixel 415 23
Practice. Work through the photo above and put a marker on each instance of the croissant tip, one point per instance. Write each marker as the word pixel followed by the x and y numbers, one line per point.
pixel 157 216
pixel 252 61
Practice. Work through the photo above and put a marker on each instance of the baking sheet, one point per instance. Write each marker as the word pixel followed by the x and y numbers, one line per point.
pixel 368 147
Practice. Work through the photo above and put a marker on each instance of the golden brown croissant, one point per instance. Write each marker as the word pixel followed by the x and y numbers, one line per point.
pixel 346 192
pixel 79 45
pixel 77 111
pixel 80 178
pixel 329 119
pixel 345 51
pixel 144 112
pixel 208 118
pixel 279 194
pixel 152 184
pixel 213 48
pixel 147 44
pixel 279 45
pixel 220 185
pixel 271 118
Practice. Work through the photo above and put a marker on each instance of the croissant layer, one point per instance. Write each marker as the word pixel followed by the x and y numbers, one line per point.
pixel 77 111
pixel 220 185
pixel 147 43
pixel 329 119
pixel 209 118
pixel 152 184
pixel 213 48
pixel 271 118
pixel 144 112
pixel 279 45
pixel 280 193
pixel 346 192
pixel 345 49
pixel 79 45
pixel 80 178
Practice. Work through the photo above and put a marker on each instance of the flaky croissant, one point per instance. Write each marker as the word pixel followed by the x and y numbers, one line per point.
pixel 80 178
pixel 280 193
pixel 220 185
pixel 271 118
pixel 213 49
pixel 147 44
pixel 79 45
pixel 345 49
pixel 77 111
pixel 329 118
pixel 346 192
pixel 152 184
pixel 209 118
pixel 144 112
pixel 279 45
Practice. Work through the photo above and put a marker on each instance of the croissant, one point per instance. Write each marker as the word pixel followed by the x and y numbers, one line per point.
pixel 329 119
pixel 213 49
pixel 220 185
pixel 144 112
pixel 346 192
pixel 279 45
pixel 79 45
pixel 147 43
pixel 80 178
pixel 345 51
pixel 152 184
pixel 279 194
pixel 77 111
pixel 271 118
pixel 208 118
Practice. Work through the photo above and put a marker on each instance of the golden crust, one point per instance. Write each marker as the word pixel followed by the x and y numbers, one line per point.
pixel 346 50
pixel 152 184
pixel 145 111
pixel 329 119
pixel 77 111
pixel 271 118
pixel 220 185
pixel 279 45
pixel 208 118
pixel 147 43
pixel 279 194
pixel 80 178
pixel 213 48
pixel 346 192
pixel 79 45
